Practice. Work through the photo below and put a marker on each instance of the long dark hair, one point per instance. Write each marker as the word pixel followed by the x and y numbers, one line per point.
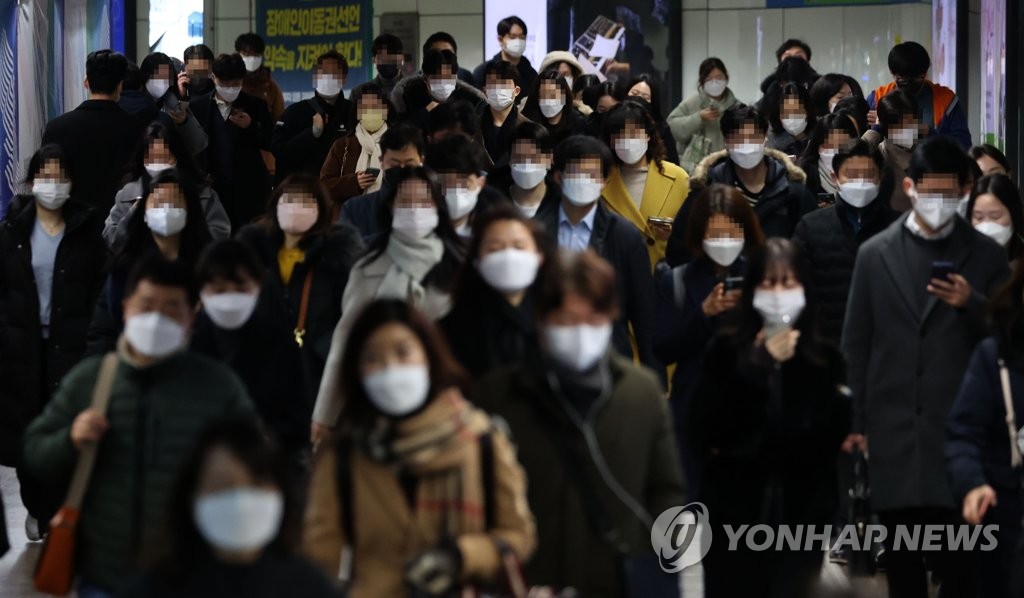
pixel 776 101
pixel 829 85
pixel 443 274
pixel 304 183
pixel 184 164
pixel 47 153
pixel 779 253
pixel 531 109
pixel 194 237
pixel 729 202
pixel 634 112
pixel 357 413
pixel 1003 189
pixel 182 545
pixel 655 85
pixel 828 123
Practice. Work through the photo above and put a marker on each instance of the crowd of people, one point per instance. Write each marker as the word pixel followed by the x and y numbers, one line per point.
pixel 478 329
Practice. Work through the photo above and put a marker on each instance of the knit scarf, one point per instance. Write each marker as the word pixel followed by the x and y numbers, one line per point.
pixel 369 157
pixel 411 260
pixel 440 447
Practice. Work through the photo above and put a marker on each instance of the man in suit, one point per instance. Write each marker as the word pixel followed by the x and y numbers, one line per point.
pixel 580 222
pixel 239 126
pixel 909 332
pixel 98 137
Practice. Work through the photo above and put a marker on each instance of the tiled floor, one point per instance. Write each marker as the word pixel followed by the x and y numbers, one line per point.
pixel 17 565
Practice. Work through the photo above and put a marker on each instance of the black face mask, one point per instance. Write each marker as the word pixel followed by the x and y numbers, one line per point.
pixel 911 86
pixel 387 71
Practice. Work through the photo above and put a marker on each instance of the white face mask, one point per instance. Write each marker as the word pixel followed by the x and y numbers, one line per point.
pixel 747 155
pixel 252 63
pixel 1000 233
pixel 581 190
pixel 461 201
pixel 550 108
pixel 166 221
pixel 715 87
pixel 509 270
pixel 230 311
pixel 630 149
pixel 499 98
pixel 155 168
pixel 528 176
pixel 327 86
pixel 935 209
pixel 780 308
pixel 832 106
pixel 415 222
pixel 528 211
pixel 577 347
pixel 858 192
pixel 568 81
pixel 157 88
pixel 795 126
pixel 296 218
pixel 825 159
pixel 904 137
pixel 723 250
pixel 51 195
pixel 398 390
pixel 442 89
pixel 515 47
pixel 154 335
pixel 228 94
pixel 241 519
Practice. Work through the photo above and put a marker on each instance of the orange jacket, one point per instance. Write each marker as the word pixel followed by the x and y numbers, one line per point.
pixel 942 98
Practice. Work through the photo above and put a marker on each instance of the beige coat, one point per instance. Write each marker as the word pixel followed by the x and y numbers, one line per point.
pixel 388 533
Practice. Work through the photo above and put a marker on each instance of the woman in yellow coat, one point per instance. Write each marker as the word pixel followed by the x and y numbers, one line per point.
pixel 643 188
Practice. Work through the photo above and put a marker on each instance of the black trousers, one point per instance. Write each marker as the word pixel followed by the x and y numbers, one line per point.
pixel 907 570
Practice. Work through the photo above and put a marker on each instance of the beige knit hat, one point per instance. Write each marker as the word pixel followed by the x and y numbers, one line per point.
pixel 557 56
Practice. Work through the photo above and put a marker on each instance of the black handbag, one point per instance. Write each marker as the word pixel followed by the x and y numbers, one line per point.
pixel 861 562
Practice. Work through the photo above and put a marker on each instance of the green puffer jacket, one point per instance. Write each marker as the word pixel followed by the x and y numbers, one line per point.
pixel 155 414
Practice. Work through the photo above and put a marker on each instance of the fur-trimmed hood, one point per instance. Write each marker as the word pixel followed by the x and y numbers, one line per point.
pixel 793 172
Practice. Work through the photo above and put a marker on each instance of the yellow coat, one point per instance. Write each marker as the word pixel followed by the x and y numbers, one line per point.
pixel 664 194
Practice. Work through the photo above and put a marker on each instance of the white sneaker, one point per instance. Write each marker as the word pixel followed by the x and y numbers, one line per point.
pixel 32 529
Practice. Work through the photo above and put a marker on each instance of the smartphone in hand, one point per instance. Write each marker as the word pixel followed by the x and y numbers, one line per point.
pixel 941 270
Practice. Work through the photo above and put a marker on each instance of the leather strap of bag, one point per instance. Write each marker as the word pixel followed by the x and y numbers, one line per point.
pixel 87 456
pixel 300 325
pixel 1011 417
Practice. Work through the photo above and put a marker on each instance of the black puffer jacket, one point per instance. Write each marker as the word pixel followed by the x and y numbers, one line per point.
pixel 77 278
pixel 779 205
pixel 827 240
pixel 332 258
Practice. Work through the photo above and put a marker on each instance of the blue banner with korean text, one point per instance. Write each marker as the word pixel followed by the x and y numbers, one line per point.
pixel 297 32
pixel 820 3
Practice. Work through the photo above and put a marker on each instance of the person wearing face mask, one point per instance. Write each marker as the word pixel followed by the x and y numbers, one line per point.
pixel 830 89
pixel 163 397
pixel 581 168
pixel 414 258
pixel 525 179
pixel 169 223
pixel 159 77
pixel 644 187
pixel 51 271
pixel 345 169
pixel 459 164
pixel 834 133
pixel 693 301
pixel 240 128
pixel 259 347
pixel 258 81
pixel 645 89
pixel 565 64
pixel 161 150
pixel 770 181
pixel 402 146
pixel 897 133
pixel 308 258
pixel 502 116
pixel 550 104
pixel 791 120
pixel 829 238
pixel 941 110
pixel 770 402
pixel 307 130
pixel 512 36
pixel 416 97
pixel 595 437
pixel 232 523
pixel 442 41
pixel 990 160
pixel 907 339
pixel 995 210
pixel 694 122
pixel 421 494
pixel 195 80
pixel 491 322
pixel 389 60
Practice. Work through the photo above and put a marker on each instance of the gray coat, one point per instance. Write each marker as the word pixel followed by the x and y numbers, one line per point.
pixel 905 366
pixel 115 235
